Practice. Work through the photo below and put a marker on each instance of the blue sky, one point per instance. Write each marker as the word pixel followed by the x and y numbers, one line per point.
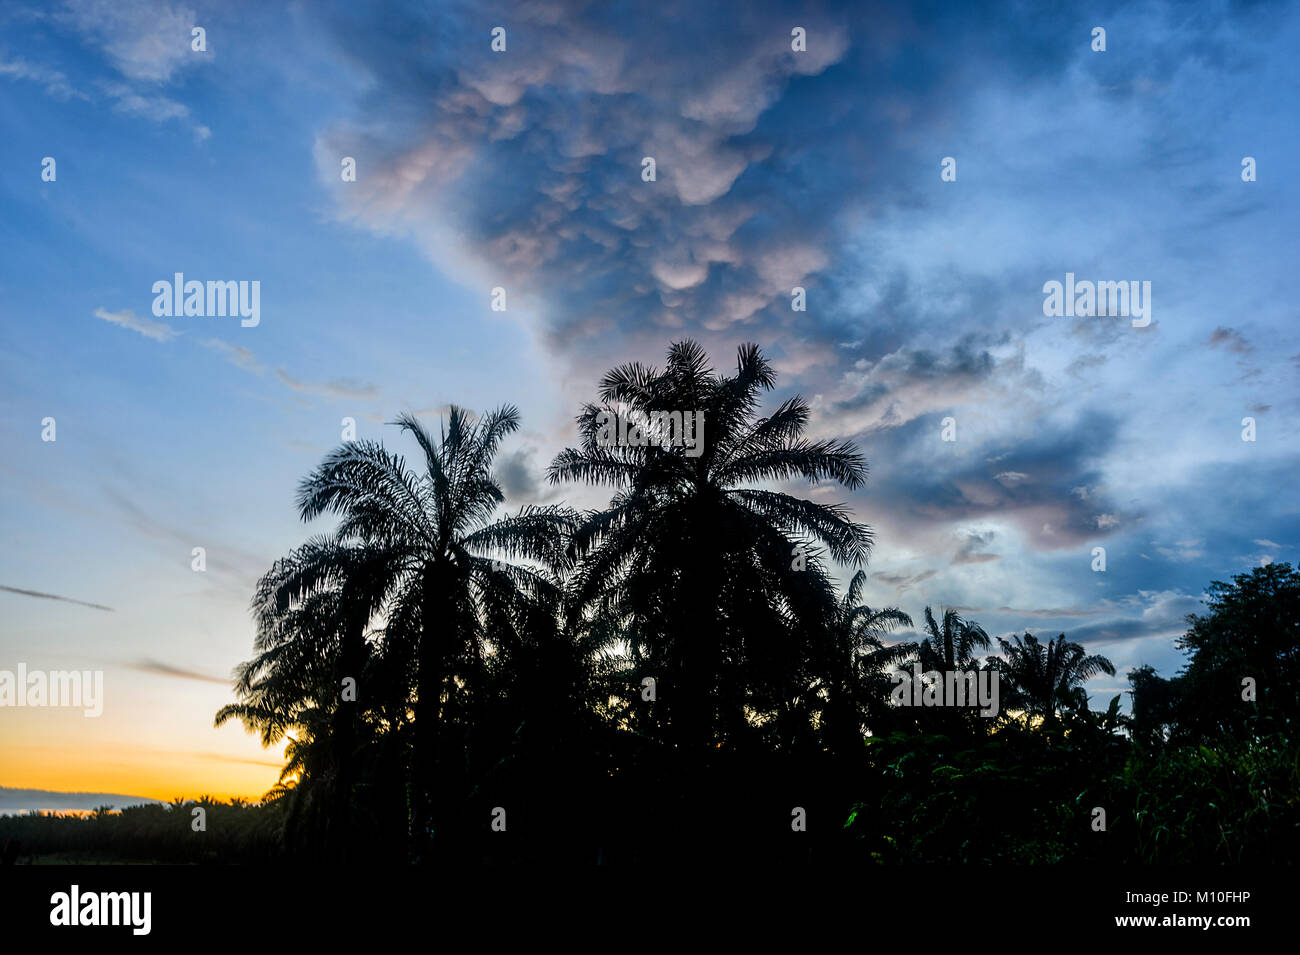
pixel 522 169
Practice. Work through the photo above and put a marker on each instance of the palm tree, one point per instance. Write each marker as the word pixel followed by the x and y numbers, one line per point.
pixel 858 680
pixel 718 586
pixel 951 646
pixel 312 610
pixel 1048 677
pixel 443 559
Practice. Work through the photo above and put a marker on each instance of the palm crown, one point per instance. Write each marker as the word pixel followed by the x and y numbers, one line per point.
pixel 717 585
pixel 1047 677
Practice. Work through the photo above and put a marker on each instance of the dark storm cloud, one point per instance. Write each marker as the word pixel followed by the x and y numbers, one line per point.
pixel 523 169
pixel 1165 615
pixel 517 475
pixel 525 166
pixel 1041 482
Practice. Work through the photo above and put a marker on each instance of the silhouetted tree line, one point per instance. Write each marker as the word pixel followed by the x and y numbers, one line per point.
pixel 674 677
pixel 234 832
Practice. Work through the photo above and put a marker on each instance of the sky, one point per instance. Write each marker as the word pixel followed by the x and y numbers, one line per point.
pixel 522 169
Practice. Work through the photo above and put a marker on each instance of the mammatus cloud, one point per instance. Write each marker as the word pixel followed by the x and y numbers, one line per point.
pixel 158 331
pixel 43 596
pixel 526 169
pixel 773 170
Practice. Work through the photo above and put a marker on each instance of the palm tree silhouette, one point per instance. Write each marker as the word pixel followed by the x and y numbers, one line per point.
pixel 858 671
pixel 951 645
pixel 858 682
pixel 1047 677
pixel 718 588
pixel 312 611
pixel 441 562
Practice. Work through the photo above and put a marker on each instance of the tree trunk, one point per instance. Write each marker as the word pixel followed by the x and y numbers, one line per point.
pixel 348 717
pixel 428 719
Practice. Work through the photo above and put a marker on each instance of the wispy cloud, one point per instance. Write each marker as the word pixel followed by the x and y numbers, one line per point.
pixel 43 596
pixel 971 549
pixel 338 388
pixel 56 83
pixel 237 355
pixel 166 669
pixel 145 40
pixel 1047 613
pixel 146 44
pixel 1231 339
pixel 158 331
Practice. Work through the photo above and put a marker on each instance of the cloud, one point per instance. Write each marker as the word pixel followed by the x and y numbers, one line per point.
pixel 55 83
pixel 921 484
pixel 156 108
pixel 908 383
pixel 237 355
pixel 1185 550
pixel 902 582
pixel 43 596
pixel 145 39
pixel 338 388
pixel 970 553
pixel 525 171
pixel 518 474
pixel 146 43
pixel 1047 613
pixel 234 569
pixel 1231 339
pixel 244 358
pixel 530 165
pixel 1084 363
pixel 166 669
pixel 1163 614
pixel 158 331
